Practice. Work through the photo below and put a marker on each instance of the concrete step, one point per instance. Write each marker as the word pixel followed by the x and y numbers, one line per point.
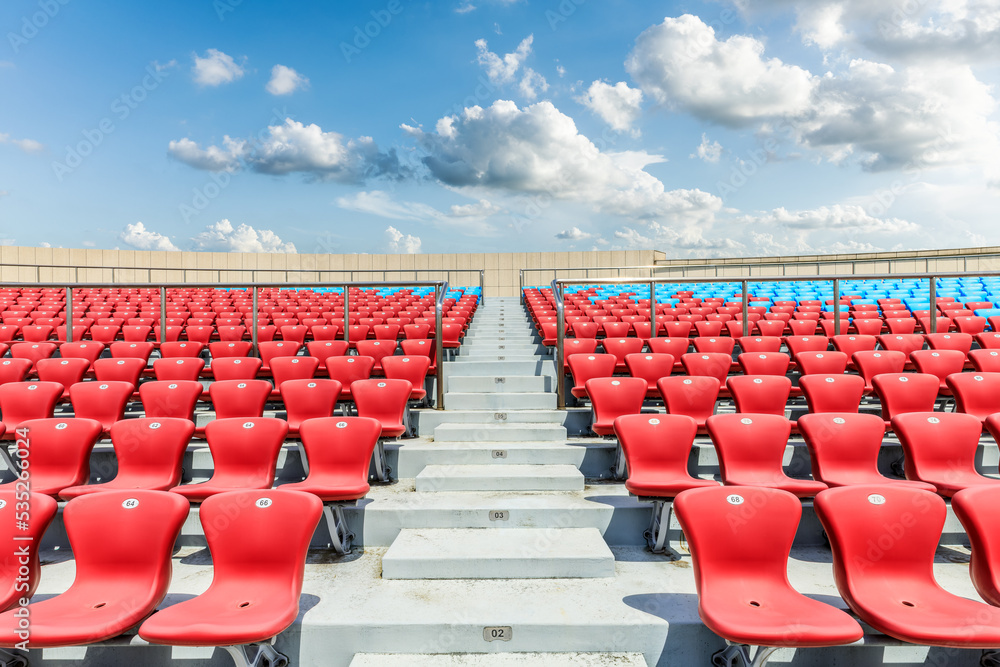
pixel 502 355
pixel 517 553
pixel 539 366
pixel 471 384
pixel 496 347
pixel 576 420
pixel 500 660
pixel 498 432
pixel 500 401
pixel 436 478
pixel 413 458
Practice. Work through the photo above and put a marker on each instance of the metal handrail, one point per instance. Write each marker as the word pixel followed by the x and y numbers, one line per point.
pixel 253 272
pixel 559 284
pixel 440 291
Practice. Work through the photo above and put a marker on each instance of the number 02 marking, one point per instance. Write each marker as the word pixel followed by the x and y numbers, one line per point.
pixel 501 633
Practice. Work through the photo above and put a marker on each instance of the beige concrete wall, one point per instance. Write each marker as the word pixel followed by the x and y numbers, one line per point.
pixel 501 270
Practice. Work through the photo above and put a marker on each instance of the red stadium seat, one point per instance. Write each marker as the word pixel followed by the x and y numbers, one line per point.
pixel 14 370
pixel 760 394
pixel 976 507
pixel 149 453
pixel 895 593
pixel 244 455
pixel 348 370
pixel 821 363
pixel 851 344
pixel 977 394
pixel 164 399
pixel 650 367
pixel 833 393
pixel 905 343
pixel 122 543
pixel 21 401
pixel 181 349
pixel 760 344
pixel 412 369
pixel 844 449
pixel 764 363
pixel 32 351
pixel 691 396
pixel 294 333
pixel 970 324
pixel 257 579
pixel 940 449
pixel 770 327
pixel 235 368
pixel 90 351
pixel 19 574
pixel 119 370
pixel 940 364
pixel 384 400
pixel 292 368
pixel 308 399
pixel 988 341
pixel 131 350
pixel 59 452
pixel 198 334
pixel 872 363
pixel 749 601
pixel 178 368
pixel 750 452
pixel 672 346
pixel 900 393
pixel 714 345
pixel 708 364
pixel 232 333
pixel 271 349
pixel 797 344
pixel 377 350
pixel 322 349
pixel 950 341
pixel 226 349
pixel 621 348
pixel 136 333
pixel 584 367
pixel 985 360
pixel 240 399
pixel 868 326
pixel 612 398
pixel 66 372
pixel 101 401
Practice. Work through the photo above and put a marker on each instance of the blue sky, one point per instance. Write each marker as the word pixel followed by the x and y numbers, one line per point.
pixel 717 128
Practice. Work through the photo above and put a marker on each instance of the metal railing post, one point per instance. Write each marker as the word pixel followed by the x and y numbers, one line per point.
pixel 557 293
pixel 652 309
pixel 347 318
pixel 520 285
pixel 69 314
pixel 254 333
pixel 746 308
pixel 836 307
pixel 163 316
pixel 933 296
pixel 440 290
pixel 482 286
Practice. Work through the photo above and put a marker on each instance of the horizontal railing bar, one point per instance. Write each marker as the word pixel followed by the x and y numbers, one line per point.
pixel 781 279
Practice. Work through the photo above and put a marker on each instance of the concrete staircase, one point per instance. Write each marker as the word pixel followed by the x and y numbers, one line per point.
pixel 500 435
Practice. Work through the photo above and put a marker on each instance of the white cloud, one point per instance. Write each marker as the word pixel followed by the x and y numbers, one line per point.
pixel 285 81
pixel 481 209
pixel 618 105
pixel 502 71
pixel 293 147
pixel 160 67
pixel 573 234
pixel 381 203
pixel 538 150
pixel 687 241
pixel 709 152
pixel 140 238
pixel 402 243
pixel 838 217
pixel 3 193
pixel 215 68
pixel 26 145
pixel 223 237
pixel 44 244
pixel 465 8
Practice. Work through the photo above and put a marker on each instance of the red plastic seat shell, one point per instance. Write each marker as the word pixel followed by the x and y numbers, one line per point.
pixel 339 451
pixel 656 449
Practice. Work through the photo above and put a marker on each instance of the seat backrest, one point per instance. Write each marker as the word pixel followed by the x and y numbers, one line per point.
pixel 239 398
pixel 308 399
pixel 613 397
pixel 20 401
pixel 66 372
pixel 832 393
pixel 178 368
pixel 821 363
pixel 14 370
pixel 32 351
pixel 650 366
pixel 976 507
pixel 939 447
pixel 760 344
pixel 125 538
pixel 656 445
pixel 170 398
pixel 874 362
pixel 292 368
pixel 245 450
pixel 985 360
pixel 901 342
pixel 750 447
pixel 849 344
pixel 881 537
pixel 621 347
pixel 414 369
pixel 584 367
pixel 949 341
pixel 977 394
pixel 798 344
pixel 181 349
pixel 88 350
pixel 323 349
pixel 691 396
pixel 383 400
pixel 939 363
pixel 235 368
pixel 232 348
pixel 132 350
pixel 760 394
pixel 842 445
pixel 377 350
pixel 900 393
pixel 59 451
pixel 119 370
pixel 150 451
pixel 20 568
pixel 714 345
pixel 708 364
pixel 761 521
pixel 672 346
pixel 276 348
pixel 764 363
pixel 103 401
pixel 339 450
pixel 348 370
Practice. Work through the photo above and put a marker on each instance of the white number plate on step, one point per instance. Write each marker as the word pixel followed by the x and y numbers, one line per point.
pixel 501 633
pixel 499 515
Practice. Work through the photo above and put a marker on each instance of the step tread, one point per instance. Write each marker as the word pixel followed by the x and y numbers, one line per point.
pixel 499 660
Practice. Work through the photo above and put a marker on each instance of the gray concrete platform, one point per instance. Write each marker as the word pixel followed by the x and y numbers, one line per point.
pixel 500 660
pixel 499 478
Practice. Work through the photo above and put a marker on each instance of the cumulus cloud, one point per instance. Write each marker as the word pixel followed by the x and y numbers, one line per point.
pixel 468 220
pixel 285 81
pixel 573 234
pixel 401 243
pixel 538 150
pixel 502 71
pixel 215 68
pixel 869 112
pixel 618 105
pixel 293 147
pixel 140 238
pixel 708 151
pixel 26 145
pixel 838 217
pixel 221 236
pixel 678 242
pixel 481 209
